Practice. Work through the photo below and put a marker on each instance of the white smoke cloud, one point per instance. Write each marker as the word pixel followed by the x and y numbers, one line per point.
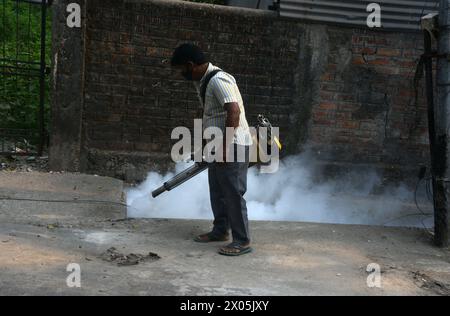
pixel 291 194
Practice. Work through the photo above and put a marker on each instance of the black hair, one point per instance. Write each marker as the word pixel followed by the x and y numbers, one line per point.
pixel 188 53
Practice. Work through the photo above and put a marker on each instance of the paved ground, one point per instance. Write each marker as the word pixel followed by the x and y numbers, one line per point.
pixel 39 239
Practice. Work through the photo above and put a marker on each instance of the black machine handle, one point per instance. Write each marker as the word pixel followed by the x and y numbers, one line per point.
pixel 181 178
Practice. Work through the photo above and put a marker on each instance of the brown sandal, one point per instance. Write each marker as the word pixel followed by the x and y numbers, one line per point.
pixel 210 237
pixel 235 249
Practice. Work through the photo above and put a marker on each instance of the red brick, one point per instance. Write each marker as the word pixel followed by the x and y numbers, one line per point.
pixel 388 70
pixel 380 61
pixel 349 124
pixel 345 97
pixel 126 50
pixel 358 60
pixel 364 50
pixel 327 95
pixel 342 116
pixel 327 106
pixel 327 77
pixel 324 122
pixel 389 52
pixel 411 53
pixel 407 64
pixel 377 41
pixel 152 51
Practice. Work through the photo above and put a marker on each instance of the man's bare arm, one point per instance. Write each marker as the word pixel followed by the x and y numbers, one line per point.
pixel 232 120
pixel 233 113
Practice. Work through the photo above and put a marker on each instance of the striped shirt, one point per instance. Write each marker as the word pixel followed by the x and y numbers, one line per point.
pixel 222 88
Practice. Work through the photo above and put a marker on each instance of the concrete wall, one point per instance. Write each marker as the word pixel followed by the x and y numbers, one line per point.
pixel 67 89
pixel 263 4
pixel 346 93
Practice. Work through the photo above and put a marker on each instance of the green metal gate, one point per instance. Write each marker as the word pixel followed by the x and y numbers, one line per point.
pixel 24 73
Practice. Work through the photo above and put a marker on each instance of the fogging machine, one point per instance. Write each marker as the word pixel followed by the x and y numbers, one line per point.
pixel 198 167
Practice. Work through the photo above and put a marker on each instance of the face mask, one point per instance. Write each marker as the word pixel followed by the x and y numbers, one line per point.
pixel 187 73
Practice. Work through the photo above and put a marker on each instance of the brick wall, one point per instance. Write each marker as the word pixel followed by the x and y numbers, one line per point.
pixel 346 93
pixel 368 108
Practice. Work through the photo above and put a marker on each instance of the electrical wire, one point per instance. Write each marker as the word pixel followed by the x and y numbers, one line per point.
pixel 418 68
pixel 421 211
pixel 415 82
pixel 429 187
pixel 415 197
pixel 405 216
pixel 417 78
pixel 415 85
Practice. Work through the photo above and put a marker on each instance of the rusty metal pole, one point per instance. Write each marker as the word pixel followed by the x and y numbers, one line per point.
pixel 429 26
pixel 441 219
pixel 42 78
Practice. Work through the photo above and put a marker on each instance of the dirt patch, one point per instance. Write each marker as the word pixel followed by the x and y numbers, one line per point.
pixel 19 253
pixel 112 255
pixel 24 163
pixel 426 282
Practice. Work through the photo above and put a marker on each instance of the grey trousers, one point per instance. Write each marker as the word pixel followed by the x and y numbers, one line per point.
pixel 227 186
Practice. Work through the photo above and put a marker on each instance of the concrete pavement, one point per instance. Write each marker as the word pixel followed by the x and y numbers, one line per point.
pixel 39 239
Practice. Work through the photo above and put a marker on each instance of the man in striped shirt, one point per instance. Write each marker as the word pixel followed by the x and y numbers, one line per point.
pixel 223 109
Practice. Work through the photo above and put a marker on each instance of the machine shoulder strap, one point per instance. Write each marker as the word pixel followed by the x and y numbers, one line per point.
pixel 206 82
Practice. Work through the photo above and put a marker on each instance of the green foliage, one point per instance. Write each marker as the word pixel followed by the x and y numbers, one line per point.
pixel 20 44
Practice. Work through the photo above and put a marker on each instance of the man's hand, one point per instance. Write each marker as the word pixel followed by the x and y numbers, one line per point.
pixel 199 113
